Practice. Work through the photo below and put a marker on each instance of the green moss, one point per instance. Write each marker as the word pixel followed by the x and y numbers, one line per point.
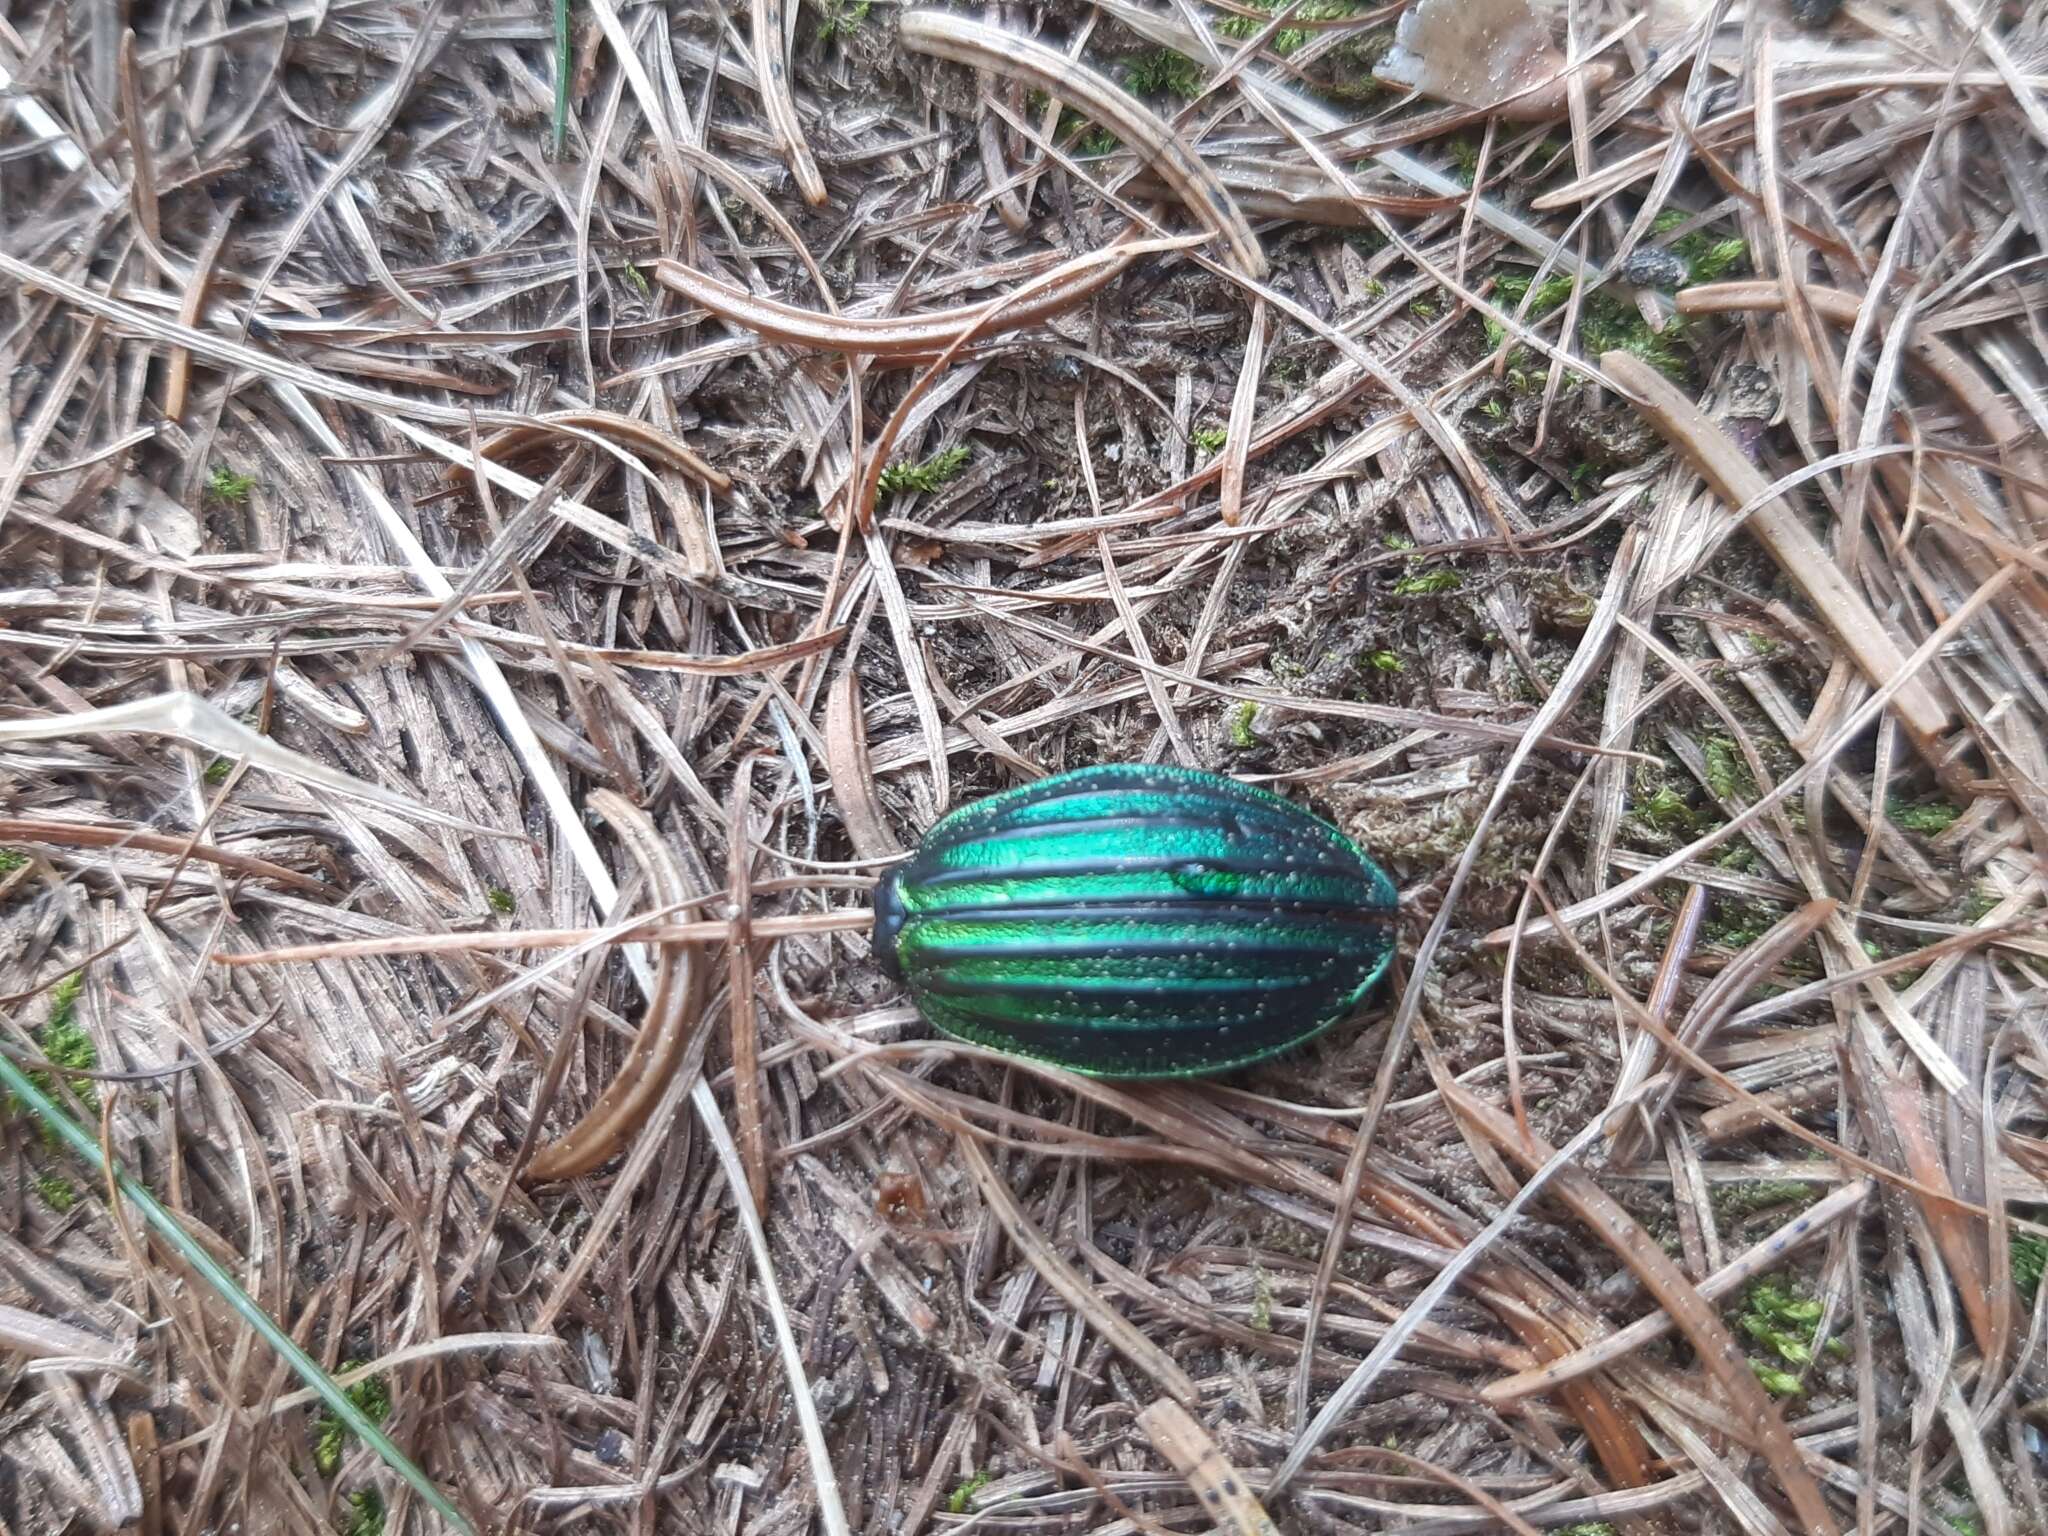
pixel 1728 775
pixel 218 770
pixel 1262 1300
pixel 1664 810
pixel 1590 1528
pixel 1707 255
pixel 1929 816
pixel 1398 541
pixel 1428 583
pixel 961 1500
pixel 2029 1258
pixel 1210 439
pixel 1162 72
pixel 1750 1197
pixel 1287 39
pixel 1465 158
pixel 1084 136
pixel 1509 288
pixel 1979 904
pixel 63 1043
pixel 56 1192
pixel 1385 661
pixel 64 1001
pixel 927 476
pixel 229 488
pixel 639 281
pixel 1776 1382
pixel 841 19
pixel 1740 924
pixel 331 1437
pixel 500 899
pixel 1545 158
pixel 365 1516
pixel 12 859
pixel 1241 715
pixel 1422 309
pixel 1784 1322
pixel 1607 323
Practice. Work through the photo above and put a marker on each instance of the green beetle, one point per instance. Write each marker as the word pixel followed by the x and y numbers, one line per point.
pixel 1135 921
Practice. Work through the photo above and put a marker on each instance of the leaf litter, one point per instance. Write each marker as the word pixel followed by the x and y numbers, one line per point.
pixel 1605 479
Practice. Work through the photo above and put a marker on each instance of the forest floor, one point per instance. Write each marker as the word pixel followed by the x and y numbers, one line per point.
pixel 1626 524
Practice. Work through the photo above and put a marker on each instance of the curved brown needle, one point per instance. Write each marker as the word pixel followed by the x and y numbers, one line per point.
pixel 513 442
pixel 673 1009
pixel 960 41
pixel 771 74
pixel 909 336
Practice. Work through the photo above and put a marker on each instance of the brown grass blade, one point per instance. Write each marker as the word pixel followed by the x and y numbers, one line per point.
pixel 674 1011
pixel 1799 554
pixel 1070 1284
pixel 1689 1311
pixel 1015 56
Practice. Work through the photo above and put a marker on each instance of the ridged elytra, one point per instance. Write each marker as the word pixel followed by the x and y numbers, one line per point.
pixel 1136 921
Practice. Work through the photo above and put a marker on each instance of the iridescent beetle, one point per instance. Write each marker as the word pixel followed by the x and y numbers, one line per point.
pixel 1137 922
pixel 1121 921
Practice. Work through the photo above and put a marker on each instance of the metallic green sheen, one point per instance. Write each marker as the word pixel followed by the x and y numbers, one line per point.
pixel 1136 921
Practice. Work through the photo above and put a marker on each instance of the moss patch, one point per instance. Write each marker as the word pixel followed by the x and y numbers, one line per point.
pixel 1607 323
pixel 961 1500
pixel 331 1437
pixel 1927 817
pixel 1241 735
pixel 1707 256
pixel 364 1512
pixel 1428 583
pixel 929 475
pixel 2029 1258
pixel 1287 39
pixel 63 1043
pixel 1162 72
pixel 229 488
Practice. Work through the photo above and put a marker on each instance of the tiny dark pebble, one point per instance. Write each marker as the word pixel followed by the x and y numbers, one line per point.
pixel 1814 13
pixel 611 1448
pixel 1651 266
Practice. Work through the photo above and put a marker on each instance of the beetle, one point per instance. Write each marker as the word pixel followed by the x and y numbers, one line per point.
pixel 1136 921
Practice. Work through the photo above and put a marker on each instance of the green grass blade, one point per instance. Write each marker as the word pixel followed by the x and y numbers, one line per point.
pixel 561 76
pixel 307 1368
